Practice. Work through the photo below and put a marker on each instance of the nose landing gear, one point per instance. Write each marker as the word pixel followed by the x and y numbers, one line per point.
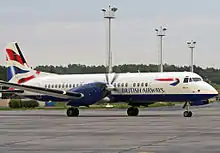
pixel 187 113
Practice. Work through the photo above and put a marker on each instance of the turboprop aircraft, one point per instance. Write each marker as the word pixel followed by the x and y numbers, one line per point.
pixel 86 89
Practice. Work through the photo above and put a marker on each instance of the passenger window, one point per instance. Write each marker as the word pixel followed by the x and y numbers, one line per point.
pixel 126 84
pixel 122 85
pixel 48 85
pixel 114 84
pixel 55 86
pixel 138 84
pixel 146 84
pixel 134 84
pixel 186 80
pixel 59 86
pixel 45 86
pixel 66 85
pixel 52 86
pixel 73 85
pixel 142 84
pixel 62 85
pixel 118 84
pixel 70 86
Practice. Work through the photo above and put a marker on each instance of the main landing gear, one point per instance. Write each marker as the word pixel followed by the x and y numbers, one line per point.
pixel 187 113
pixel 132 111
pixel 72 111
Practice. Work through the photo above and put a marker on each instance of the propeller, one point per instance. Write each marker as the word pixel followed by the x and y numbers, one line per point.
pixel 109 84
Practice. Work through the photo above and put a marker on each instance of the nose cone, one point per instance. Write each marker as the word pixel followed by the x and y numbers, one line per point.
pixel 211 89
pixel 208 90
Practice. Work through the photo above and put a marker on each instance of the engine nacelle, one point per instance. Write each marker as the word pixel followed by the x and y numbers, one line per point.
pixel 92 92
pixel 201 102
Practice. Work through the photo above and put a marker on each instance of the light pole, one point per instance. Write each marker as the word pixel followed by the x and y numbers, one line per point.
pixel 109 14
pixel 191 44
pixel 161 33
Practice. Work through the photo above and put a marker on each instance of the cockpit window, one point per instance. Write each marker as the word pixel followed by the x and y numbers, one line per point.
pixel 196 79
pixel 186 80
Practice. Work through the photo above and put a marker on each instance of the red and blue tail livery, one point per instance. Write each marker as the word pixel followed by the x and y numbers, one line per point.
pixel 18 70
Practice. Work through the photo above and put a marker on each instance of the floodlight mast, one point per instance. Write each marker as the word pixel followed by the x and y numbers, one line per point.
pixel 191 44
pixel 161 33
pixel 109 14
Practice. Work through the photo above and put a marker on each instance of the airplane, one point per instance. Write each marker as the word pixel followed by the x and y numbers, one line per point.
pixel 136 89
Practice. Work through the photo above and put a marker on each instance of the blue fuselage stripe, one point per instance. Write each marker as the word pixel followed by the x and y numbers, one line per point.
pixel 134 98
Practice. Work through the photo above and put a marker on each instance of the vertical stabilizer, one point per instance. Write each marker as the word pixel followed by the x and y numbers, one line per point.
pixel 18 70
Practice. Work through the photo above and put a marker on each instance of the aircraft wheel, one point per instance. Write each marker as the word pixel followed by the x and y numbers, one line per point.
pixel 72 111
pixel 190 114
pixel 187 114
pixel 132 111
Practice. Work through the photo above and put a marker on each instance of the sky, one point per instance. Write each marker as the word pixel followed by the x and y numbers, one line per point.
pixel 62 32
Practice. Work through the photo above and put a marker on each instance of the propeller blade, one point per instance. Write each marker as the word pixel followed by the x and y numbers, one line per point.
pixel 107 78
pixel 114 78
pixel 110 87
pixel 116 89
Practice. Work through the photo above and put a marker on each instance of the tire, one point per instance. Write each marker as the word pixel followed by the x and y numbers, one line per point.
pixel 187 114
pixel 71 112
pixel 132 111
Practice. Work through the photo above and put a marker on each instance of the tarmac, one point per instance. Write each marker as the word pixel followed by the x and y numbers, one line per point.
pixel 160 130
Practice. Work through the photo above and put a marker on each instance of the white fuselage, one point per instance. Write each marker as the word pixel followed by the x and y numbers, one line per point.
pixel 169 86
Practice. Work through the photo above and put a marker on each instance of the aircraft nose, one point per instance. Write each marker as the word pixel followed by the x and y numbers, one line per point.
pixel 210 89
pixel 215 91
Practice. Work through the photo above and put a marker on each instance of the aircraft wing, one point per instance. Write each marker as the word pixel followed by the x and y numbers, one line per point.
pixel 46 91
pixel 12 91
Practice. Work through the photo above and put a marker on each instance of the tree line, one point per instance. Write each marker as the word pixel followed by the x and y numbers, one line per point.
pixel 210 74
